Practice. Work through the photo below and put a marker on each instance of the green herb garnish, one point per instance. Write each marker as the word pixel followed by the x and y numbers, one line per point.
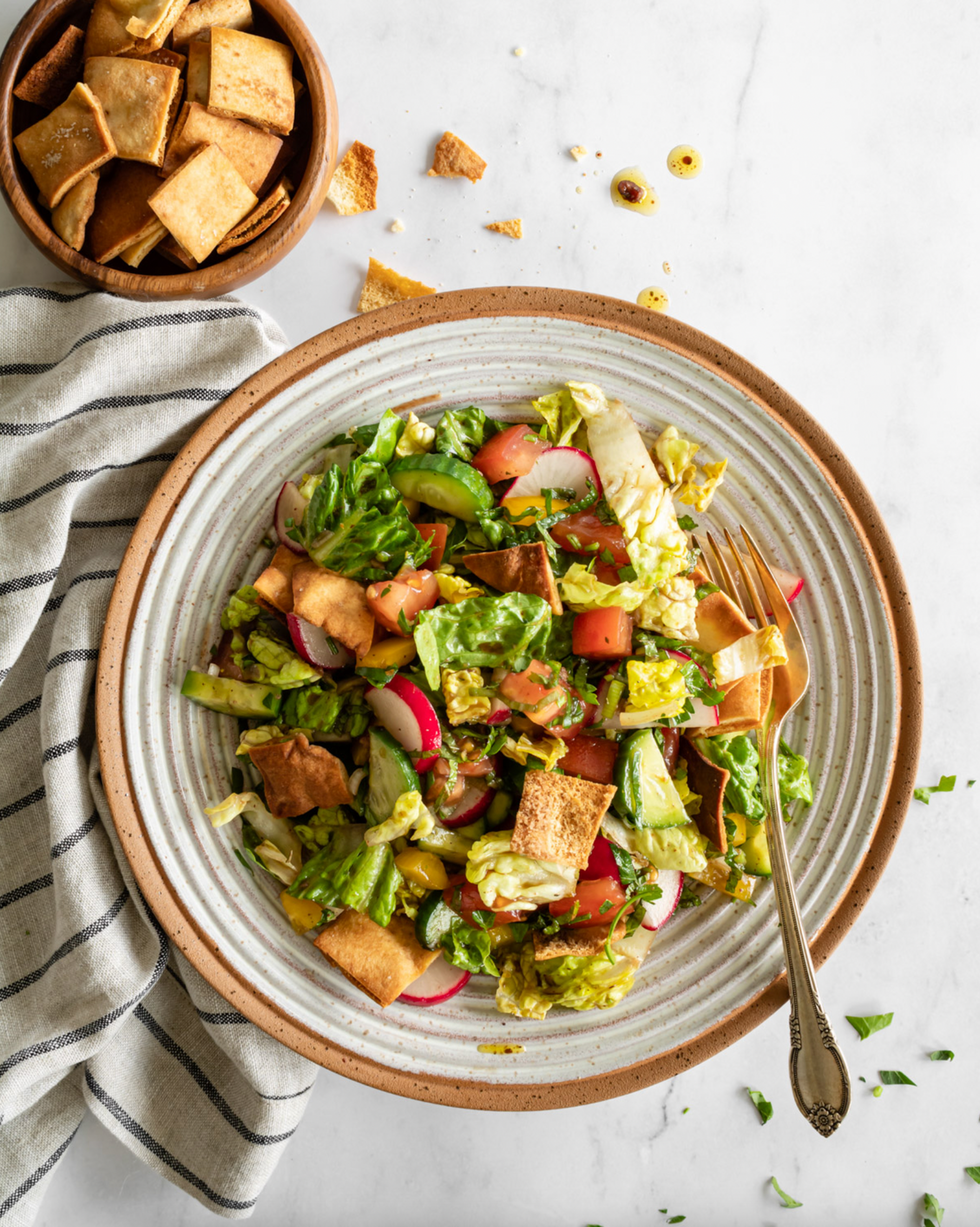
pixel 789 1202
pixel 894 1077
pixel 973 1173
pixel 763 1106
pixel 686 523
pixel 933 1211
pixel 946 784
pixel 869 1023
pixel 941 1054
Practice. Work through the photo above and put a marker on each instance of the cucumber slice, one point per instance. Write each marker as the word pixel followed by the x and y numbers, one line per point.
pixel 248 700
pixel 443 482
pixel 756 849
pixel 646 796
pixel 434 920
pixel 450 845
pixel 390 773
pixel 499 810
pixel 474 830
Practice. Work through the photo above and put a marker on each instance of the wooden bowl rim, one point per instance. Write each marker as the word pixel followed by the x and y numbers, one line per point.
pixel 235 269
pixel 275 378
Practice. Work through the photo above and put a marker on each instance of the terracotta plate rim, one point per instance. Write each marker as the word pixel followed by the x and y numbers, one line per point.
pixel 597 311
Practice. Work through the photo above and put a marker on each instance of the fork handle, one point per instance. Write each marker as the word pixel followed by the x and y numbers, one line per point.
pixel 817 1069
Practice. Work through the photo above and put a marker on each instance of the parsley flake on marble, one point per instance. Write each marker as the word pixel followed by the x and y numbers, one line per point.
pixel 946 784
pixel 763 1106
pixel 932 1210
pixel 894 1077
pixel 869 1023
pixel 941 1054
pixel 789 1202
pixel 973 1173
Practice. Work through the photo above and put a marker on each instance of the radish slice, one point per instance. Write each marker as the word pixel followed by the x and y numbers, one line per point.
pixel 440 981
pixel 558 467
pixel 500 713
pixel 789 584
pixel 290 505
pixel 656 915
pixel 475 799
pixel 315 645
pixel 409 717
pixel 704 715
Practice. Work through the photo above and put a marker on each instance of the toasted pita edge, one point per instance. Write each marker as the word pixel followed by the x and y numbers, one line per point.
pixel 354 186
pixel 259 220
pixel 49 82
pixel 558 818
pixel 454 159
pixel 579 943
pixel 335 603
pixel 709 781
pixel 70 217
pixel 520 568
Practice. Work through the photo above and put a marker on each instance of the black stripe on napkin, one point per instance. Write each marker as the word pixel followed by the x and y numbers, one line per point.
pixel 23 582
pixel 37 291
pixel 69 657
pixel 295 1095
pixel 209 396
pixel 153 1146
pixel 16 806
pixel 14 504
pixel 129 522
pixel 78 939
pixel 29 888
pixel 169 1044
pixel 56 601
pixel 75 837
pixel 63 747
pixel 39 1173
pixel 19 713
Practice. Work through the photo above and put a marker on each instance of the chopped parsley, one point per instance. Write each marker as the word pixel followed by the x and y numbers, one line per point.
pixel 941 1054
pixel 869 1023
pixel 789 1202
pixel 763 1106
pixel 686 523
pixel 894 1077
pixel 932 1211
pixel 973 1173
pixel 703 590
pixel 946 784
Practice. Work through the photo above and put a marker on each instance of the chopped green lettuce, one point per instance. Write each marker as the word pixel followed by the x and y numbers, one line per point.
pixel 528 883
pixel 868 1024
pixel 563 419
pixel 483 632
pixel 675 453
pixel 347 872
pixel 272 842
pixel 794 777
pixel 657 689
pixel 581 591
pixel 325 708
pixel 762 649
pixel 763 1106
pixel 417 438
pixel 242 607
pixel 460 432
pixel 740 758
pixel 276 664
pixel 529 988
pixel 409 817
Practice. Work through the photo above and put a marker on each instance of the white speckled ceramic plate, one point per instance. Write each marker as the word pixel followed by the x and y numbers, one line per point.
pixel 713 971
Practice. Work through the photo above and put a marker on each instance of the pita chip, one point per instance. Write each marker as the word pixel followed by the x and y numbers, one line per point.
pixel 252 79
pixel 66 145
pixel 559 817
pixel 335 603
pixel 709 781
pixel 580 942
pixel 71 216
pixel 744 705
pixel 198 72
pixel 299 777
pixel 259 220
pixel 514 228
pixel 251 152
pixel 198 18
pixel 171 250
pixel 719 623
pixel 136 96
pixel 106 32
pixel 163 55
pixel 151 20
pixel 275 584
pixel 354 186
pixel 122 215
pixel 133 256
pixel 51 79
pixel 522 568
pixel 454 159
pixel 384 286
pixel 202 200
pixel 382 962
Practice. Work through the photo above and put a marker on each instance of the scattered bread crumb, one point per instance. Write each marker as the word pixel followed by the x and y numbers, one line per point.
pixel 397 226
pixel 579 152
pixel 520 51
pixel 598 153
pixel 513 229
pixel 667 268
pixel 579 189
pixel 454 159
pixel 354 186
pixel 383 286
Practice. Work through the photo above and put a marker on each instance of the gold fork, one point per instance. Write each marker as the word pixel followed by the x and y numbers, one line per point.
pixel 817 1070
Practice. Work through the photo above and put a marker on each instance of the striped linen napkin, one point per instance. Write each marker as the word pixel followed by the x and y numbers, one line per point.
pixel 97 1010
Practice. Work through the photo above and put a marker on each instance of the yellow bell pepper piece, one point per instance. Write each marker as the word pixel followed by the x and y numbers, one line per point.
pixel 517 507
pixel 303 914
pixel 423 868
pixel 715 875
pixel 392 653
pixel 741 832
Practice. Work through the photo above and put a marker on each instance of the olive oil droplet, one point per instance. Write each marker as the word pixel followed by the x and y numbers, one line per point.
pixel 654 298
pixel 685 162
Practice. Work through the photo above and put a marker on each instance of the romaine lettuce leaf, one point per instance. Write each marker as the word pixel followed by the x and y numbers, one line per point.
pixel 486 631
pixel 740 757
pixel 347 872
pixel 242 607
pixel 762 649
pixel 581 590
pixel 675 453
pixel 324 708
pixel 271 841
pixel 496 871
pixel 563 419
pixel 276 663
pixel 550 750
pixel 465 702
pixel 658 688
pixel 529 988
pixel 417 438
pixel 410 817
pixel 794 777
pixel 460 432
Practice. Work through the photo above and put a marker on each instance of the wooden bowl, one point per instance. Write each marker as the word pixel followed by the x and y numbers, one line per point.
pixel 310 169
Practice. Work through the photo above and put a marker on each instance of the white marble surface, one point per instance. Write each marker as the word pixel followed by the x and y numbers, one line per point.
pixel 832 240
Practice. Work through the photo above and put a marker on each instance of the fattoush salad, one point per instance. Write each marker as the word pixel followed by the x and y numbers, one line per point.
pixel 493 717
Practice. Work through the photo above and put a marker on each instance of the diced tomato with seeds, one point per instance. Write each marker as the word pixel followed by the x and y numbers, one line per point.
pixel 602 634
pixel 540 703
pixel 437 534
pixel 406 595
pixel 590 896
pixel 510 454
pixel 589 530
pixel 593 758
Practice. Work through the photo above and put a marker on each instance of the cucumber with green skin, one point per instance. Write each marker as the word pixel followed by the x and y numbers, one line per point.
pixel 390 773
pixel 645 793
pixel 443 482
pixel 450 845
pixel 756 850
pixel 248 700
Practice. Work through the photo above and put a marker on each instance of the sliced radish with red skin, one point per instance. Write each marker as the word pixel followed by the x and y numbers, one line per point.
pixel 315 645
pixel 703 716
pixel 602 863
pixel 475 799
pixel 408 716
pixel 790 585
pixel 656 915
pixel 565 468
pixel 290 505
pixel 687 660
pixel 500 713
pixel 440 981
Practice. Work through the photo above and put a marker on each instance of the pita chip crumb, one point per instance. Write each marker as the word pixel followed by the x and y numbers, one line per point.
pixel 70 218
pixel 198 18
pixel 202 201
pixel 354 186
pixel 514 228
pixel 454 159
pixel 397 226
pixel 579 152
pixel 384 286
pixel 66 145
pixel 259 220
pixel 51 79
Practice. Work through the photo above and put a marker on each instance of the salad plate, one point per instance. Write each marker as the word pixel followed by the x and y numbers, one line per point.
pixel 716 970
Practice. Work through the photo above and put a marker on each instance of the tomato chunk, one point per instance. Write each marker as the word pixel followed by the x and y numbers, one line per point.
pixel 469 901
pixel 510 454
pixel 540 703
pixel 567 732
pixel 601 862
pixel 593 758
pixel 603 634
pixel 406 595
pixel 437 534
pixel 588 530
pixel 590 896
